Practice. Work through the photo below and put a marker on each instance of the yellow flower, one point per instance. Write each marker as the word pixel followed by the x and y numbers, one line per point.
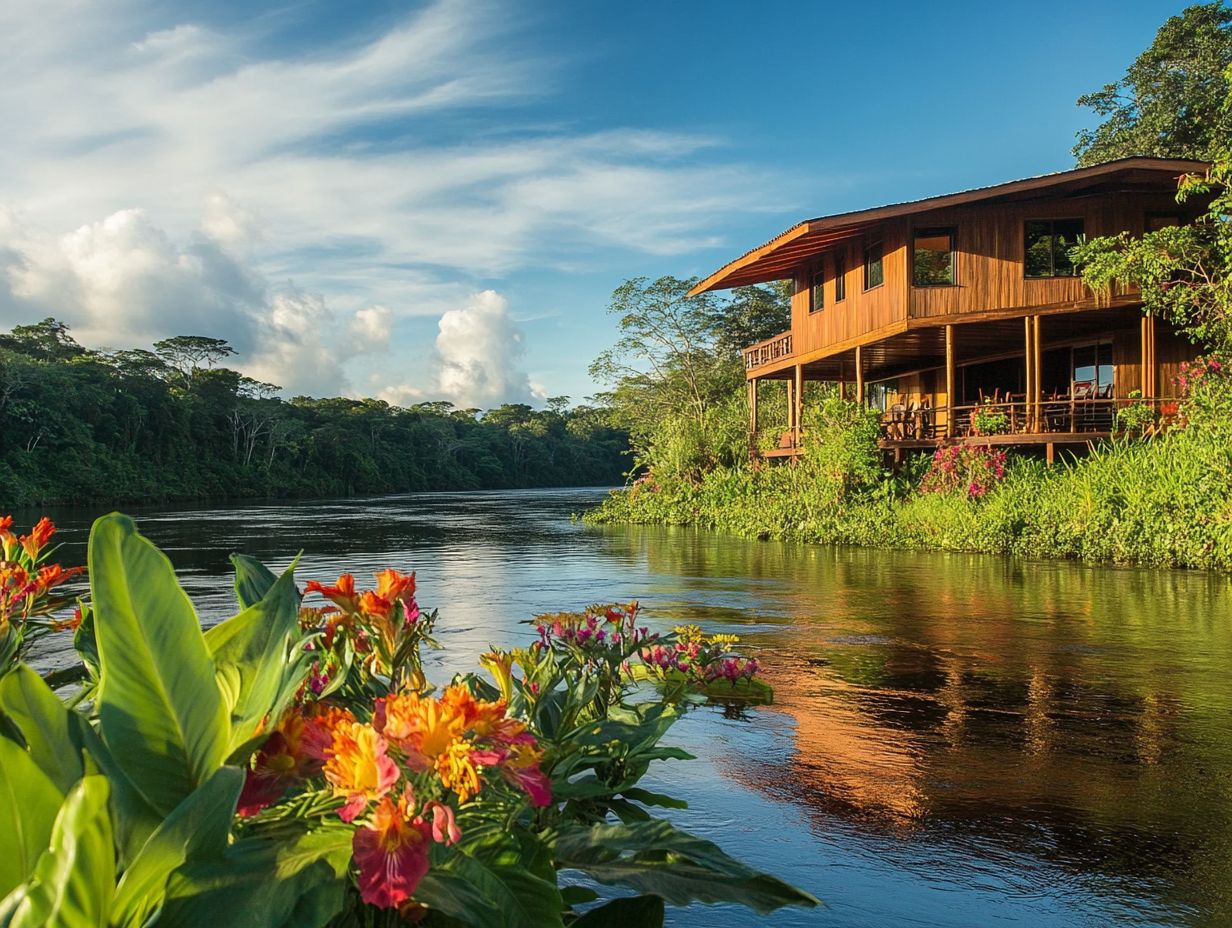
pixel 359 767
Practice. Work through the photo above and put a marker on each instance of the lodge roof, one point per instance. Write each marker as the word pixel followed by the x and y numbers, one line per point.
pixel 776 258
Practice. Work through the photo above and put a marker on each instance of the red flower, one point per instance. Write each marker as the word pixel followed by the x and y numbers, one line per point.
pixel 391 854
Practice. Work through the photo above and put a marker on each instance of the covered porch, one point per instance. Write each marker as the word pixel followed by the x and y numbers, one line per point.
pixel 1044 379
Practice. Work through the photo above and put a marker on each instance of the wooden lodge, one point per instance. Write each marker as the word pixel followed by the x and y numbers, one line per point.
pixel 932 308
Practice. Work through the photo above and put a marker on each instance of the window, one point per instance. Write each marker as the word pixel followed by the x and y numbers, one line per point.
pixel 817 293
pixel 874 268
pixel 1047 243
pixel 840 276
pixel 933 258
pixel 1157 221
pixel 1093 364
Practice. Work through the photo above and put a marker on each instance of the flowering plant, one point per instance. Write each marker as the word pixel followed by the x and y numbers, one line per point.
pixel 971 469
pixel 990 419
pixel 29 584
pixel 297 768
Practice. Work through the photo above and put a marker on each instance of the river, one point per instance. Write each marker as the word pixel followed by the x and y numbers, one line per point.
pixel 956 740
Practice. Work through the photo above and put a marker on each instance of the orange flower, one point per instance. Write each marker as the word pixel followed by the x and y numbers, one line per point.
pixel 359 767
pixel 33 543
pixel 458 769
pixel 394 586
pixel 421 727
pixel 52 575
pixel 342 594
pixel 391 853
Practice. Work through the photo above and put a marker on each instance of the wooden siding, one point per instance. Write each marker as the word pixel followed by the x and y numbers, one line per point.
pixel 989 251
pixel 862 311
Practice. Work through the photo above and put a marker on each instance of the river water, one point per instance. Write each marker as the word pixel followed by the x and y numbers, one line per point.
pixel 956 740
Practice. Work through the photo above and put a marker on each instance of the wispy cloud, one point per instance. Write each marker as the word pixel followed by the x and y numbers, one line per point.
pixel 161 176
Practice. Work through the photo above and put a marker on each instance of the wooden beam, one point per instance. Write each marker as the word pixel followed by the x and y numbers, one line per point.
pixel 860 374
pixel 949 381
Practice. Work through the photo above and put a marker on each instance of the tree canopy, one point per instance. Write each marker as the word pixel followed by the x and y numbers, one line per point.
pixel 1169 103
pixel 135 424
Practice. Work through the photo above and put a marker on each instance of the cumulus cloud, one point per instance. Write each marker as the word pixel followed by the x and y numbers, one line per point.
pixel 480 349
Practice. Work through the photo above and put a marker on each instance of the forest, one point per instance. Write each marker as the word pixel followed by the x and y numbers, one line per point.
pixel 173 422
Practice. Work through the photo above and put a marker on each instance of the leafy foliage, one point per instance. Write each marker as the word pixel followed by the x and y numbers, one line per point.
pixel 1169 102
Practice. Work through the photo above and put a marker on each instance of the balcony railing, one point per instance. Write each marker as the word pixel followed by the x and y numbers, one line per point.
pixel 770 350
pixel 1007 421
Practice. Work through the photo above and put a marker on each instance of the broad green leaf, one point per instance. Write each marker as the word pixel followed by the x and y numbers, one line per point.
pixel 73 882
pixel 655 858
pixel 56 738
pixel 29 802
pixel 639 911
pixel 647 798
pixel 256 672
pixel 46 727
pixel 159 708
pixel 197 829
pixel 285 877
pixel 252 580
pixel 449 892
pixel 502 868
pixel 578 895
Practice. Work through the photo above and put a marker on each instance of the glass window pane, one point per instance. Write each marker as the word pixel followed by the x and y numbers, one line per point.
pixel 1037 238
pixel 1084 364
pixel 1065 235
pixel 840 277
pixel 933 258
pixel 874 271
pixel 818 295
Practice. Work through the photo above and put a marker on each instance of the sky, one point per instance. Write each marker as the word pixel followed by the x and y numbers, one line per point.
pixel 435 200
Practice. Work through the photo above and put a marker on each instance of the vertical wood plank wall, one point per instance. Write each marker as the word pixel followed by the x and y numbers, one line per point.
pixel 862 311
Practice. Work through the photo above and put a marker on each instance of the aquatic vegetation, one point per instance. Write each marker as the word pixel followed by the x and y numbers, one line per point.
pixel 293 766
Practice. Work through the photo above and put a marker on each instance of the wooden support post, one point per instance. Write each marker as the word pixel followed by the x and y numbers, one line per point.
pixel 791 406
pixel 1028 363
pixel 860 374
pixel 950 429
pixel 799 413
pixel 1149 369
pixel 753 405
pixel 1037 378
pixel 1049 452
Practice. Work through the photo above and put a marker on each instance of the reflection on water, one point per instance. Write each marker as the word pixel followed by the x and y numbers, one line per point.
pixel 956 740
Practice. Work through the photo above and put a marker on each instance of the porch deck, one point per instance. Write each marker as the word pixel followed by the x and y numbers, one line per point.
pixel 1067 420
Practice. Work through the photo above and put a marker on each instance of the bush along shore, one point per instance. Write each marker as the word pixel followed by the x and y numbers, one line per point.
pixel 292 766
pixel 1162 500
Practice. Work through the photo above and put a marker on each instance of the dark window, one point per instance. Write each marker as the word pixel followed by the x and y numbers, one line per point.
pixel 840 276
pixel 1157 221
pixel 817 293
pixel 1047 243
pixel 874 268
pixel 1093 364
pixel 933 258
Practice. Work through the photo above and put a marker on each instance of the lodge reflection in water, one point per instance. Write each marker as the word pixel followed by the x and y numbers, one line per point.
pixel 1076 714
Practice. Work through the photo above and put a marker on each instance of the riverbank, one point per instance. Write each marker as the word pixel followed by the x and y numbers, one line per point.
pixel 1161 502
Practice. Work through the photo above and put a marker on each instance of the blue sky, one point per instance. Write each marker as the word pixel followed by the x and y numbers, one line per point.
pixel 435 200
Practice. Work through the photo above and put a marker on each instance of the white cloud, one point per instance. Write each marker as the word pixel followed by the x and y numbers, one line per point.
pixel 480 350
pixel 199 162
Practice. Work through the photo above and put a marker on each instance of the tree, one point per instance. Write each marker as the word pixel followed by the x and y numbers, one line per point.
pixel 1169 102
pixel 188 354
pixel 753 314
pixel 47 341
pixel 1184 272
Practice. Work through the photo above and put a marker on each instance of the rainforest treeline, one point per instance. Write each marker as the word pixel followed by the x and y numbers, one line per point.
pixel 173 422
